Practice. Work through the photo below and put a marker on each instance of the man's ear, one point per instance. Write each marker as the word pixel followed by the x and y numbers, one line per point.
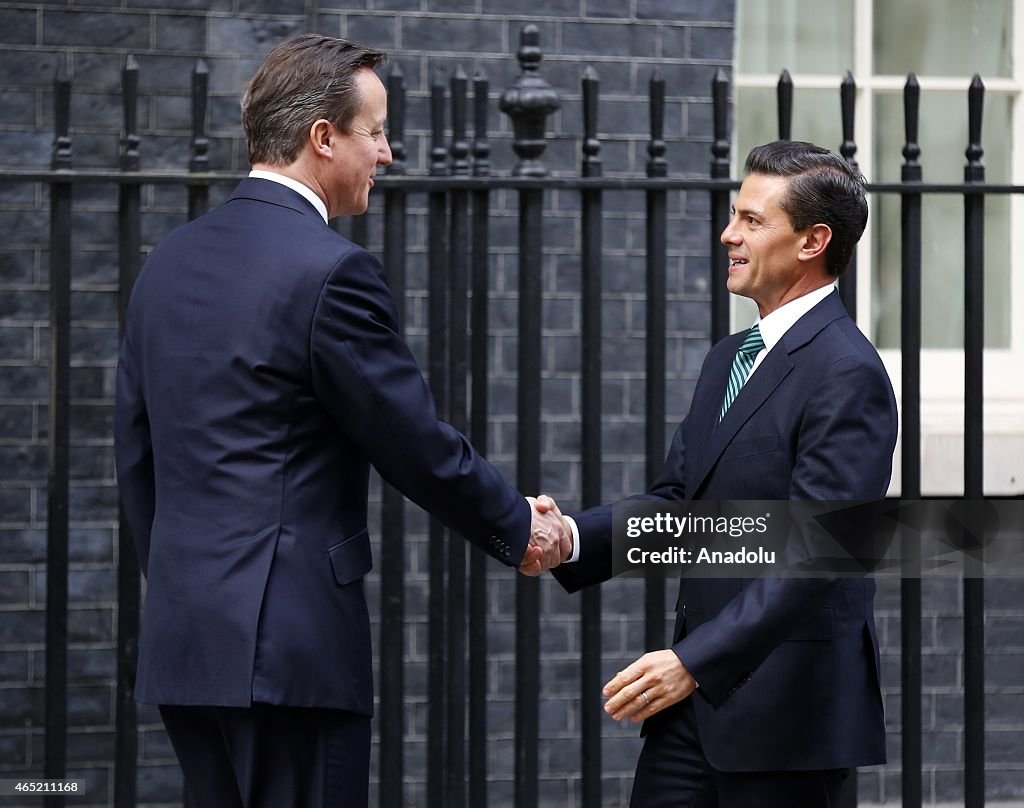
pixel 816 240
pixel 321 136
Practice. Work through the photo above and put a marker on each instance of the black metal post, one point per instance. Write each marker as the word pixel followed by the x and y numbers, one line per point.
pixel 437 350
pixel 654 432
pixel 458 370
pixel 590 393
pixel 910 348
pixel 719 208
pixel 974 488
pixel 528 103
pixel 56 682
pixel 392 566
pixel 784 96
pixel 847 102
pixel 126 736
pixel 199 195
pixel 479 325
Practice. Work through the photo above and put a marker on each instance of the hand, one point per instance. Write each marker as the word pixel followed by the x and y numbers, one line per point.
pixel 550 539
pixel 655 681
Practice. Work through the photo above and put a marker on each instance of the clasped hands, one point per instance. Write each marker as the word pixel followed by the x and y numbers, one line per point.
pixel 550 538
pixel 656 680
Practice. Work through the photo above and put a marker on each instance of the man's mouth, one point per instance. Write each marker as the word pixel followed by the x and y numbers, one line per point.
pixel 737 262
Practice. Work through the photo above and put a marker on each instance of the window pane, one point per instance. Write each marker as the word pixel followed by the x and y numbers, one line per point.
pixel 816 118
pixel 943 37
pixel 796 34
pixel 943 141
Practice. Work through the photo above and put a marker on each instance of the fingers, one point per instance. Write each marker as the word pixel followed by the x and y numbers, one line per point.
pixel 531 563
pixel 550 538
pixel 655 681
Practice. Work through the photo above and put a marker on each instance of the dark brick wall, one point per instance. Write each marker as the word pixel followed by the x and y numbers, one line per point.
pixel 624 41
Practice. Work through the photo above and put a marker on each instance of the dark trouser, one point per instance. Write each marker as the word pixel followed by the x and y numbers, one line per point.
pixel 673 773
pixel 267 756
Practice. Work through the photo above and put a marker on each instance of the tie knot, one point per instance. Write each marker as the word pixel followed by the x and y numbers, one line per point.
pixel 753 344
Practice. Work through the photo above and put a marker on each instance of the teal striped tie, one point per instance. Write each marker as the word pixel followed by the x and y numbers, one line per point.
pixel 741 365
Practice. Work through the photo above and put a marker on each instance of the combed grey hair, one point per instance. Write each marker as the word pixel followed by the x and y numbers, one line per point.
pixel 302 80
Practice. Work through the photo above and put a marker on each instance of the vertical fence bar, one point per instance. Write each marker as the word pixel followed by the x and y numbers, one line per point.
pixel 126 736
pixel 591 203
pixel 458 370
pixel 848 294
pixel 55 743
pixel 437 354
pixel 910 458
pixel 784 97
pixel 392 567
pixel 528 102
pixel 974 489
pixel 719 258
pixel 479 325
pixel 847 103
pixel 654 586
pixel 199 195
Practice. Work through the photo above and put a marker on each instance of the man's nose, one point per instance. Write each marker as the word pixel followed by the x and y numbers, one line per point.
pixel 384 154
pixel 729 235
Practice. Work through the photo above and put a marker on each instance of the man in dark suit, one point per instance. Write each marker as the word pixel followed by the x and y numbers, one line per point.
pixel 797 408
pixel 261 375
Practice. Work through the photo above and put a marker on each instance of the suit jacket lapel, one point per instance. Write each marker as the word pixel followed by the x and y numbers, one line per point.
pixel 770 373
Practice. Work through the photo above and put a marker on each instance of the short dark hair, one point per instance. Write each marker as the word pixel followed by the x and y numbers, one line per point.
pixel 823 188
pixel 302 80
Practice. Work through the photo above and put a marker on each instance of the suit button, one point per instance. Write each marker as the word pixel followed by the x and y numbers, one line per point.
pixel 507 552
pixel 492 540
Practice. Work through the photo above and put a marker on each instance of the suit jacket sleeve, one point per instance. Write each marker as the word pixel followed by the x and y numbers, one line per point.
pixel 844 452
pixel 134 452
pixel 367 378
pixel 594 565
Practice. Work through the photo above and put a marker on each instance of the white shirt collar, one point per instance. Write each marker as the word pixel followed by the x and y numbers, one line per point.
pixel 296 186
pixel 774 326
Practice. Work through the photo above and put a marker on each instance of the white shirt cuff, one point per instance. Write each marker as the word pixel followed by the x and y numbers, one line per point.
pixel 575 540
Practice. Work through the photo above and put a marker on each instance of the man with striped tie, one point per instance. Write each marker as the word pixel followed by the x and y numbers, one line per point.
pixel 770 692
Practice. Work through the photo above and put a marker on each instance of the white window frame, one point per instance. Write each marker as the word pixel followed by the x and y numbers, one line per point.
pixel 942 371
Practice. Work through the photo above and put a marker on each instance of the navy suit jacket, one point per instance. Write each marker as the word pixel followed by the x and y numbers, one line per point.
pixel 788 667
pixel 261 375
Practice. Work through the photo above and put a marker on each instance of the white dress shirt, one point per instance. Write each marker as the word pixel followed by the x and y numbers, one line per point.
pixel 296 186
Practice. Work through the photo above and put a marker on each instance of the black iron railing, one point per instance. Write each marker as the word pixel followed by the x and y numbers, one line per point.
pixel 458 188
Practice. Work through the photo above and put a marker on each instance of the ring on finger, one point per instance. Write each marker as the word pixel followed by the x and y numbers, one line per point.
pixel 647 700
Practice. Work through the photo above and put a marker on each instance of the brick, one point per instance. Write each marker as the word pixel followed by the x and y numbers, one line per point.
pixel 183 5
pixel 697 10
pixel 181 33
pixel 612 39
pixel 14 751
pixel 21 707
pixel 98 28
pixel 15 506
pixel 373 30
pixel 14 587
pixel 249 35
pixel 440 33
pixel 565 10
pixel 17 26
pixel 714 44
pixel 14 666
pixel 17 343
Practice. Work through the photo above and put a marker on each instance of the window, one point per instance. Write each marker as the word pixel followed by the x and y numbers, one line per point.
pixel 944 42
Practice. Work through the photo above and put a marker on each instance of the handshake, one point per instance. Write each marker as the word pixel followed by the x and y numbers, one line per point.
pixel 550 537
